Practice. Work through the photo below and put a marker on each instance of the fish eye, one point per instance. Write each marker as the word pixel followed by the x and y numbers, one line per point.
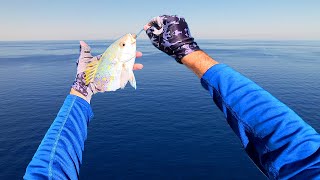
pixel 122 44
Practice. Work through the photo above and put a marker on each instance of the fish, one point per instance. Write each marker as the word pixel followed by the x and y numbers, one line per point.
pixel 115 67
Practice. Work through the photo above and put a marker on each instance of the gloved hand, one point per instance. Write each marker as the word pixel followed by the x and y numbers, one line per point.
pixel 171 35
pixel 79 87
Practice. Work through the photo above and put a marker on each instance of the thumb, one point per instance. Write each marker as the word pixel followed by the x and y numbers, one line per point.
pixel 85 50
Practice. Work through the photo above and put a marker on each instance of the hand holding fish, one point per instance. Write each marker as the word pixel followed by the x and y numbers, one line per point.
pixel 85 87
pixel 171 35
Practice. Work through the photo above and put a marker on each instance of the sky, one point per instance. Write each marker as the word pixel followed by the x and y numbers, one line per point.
pixel 207 19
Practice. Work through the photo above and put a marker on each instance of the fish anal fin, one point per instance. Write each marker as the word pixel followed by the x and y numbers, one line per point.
pixel 132 80
pixel 124 77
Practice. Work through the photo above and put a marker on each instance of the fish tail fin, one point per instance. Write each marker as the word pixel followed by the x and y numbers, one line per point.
pixel 91 71
pixel 132 80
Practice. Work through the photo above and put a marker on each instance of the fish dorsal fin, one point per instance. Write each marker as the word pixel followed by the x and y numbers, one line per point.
pixel 91 70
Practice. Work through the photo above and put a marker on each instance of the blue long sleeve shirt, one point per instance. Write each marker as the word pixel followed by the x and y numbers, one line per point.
pixel 60 153
pixel 278 141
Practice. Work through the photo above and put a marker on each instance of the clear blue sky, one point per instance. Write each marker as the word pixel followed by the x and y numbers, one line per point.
pixel 105 19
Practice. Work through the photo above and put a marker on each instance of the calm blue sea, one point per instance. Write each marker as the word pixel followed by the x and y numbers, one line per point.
pixel 168 128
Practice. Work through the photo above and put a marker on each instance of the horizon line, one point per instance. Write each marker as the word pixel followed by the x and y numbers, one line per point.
pixel 144 39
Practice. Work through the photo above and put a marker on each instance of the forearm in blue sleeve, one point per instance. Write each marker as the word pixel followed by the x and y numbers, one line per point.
pixel 60 153
pixel 279 142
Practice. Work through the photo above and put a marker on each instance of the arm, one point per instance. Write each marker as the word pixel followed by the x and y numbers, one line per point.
pixel 198 62
pixel 60 153
pixel 278 141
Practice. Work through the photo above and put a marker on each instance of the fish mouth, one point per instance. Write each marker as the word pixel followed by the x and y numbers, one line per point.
pixel 133 38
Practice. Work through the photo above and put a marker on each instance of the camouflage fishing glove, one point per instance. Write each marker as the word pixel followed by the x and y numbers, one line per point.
pixel 171 35
pixel 79 84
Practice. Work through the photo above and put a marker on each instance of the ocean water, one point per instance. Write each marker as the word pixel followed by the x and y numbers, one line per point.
pixel 168 128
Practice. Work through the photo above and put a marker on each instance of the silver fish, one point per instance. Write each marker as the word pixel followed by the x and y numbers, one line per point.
pixel 114 69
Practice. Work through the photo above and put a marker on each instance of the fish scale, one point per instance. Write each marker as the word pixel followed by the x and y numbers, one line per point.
pixel 114 69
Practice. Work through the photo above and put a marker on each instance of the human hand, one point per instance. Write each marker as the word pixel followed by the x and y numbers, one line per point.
pixel 171 35
pixel 79 87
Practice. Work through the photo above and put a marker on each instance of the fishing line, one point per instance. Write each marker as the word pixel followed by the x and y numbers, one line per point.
pixel 139 33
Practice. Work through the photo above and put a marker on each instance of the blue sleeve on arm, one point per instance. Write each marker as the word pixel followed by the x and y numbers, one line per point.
pixel 60 153
pixel 279 142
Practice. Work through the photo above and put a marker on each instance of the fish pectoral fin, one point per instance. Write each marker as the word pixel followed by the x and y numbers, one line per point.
pixel 91 70
pixel 132 80
pixel 124 77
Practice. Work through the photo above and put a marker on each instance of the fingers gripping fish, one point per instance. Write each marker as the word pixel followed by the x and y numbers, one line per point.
pixel 114 69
